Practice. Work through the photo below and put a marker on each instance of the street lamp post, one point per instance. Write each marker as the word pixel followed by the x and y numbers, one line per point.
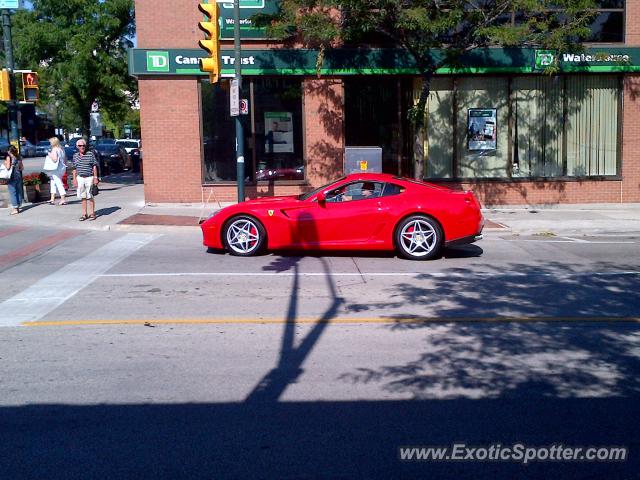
pixel 8 52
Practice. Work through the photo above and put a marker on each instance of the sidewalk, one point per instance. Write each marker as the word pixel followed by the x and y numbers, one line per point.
pixel 121 206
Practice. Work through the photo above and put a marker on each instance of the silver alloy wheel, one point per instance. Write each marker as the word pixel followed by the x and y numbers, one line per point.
pixel 243 236
pixel 418 238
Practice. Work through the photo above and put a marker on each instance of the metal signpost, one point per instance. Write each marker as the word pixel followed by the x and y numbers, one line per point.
pixel 239 132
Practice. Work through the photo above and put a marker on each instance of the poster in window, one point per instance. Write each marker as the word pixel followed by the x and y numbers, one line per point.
pixel 482 128
pixel 278 132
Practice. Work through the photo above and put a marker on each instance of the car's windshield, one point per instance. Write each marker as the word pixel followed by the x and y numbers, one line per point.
pixel 106 141
pixel 310 194
pixel 128 144
pixel 43 143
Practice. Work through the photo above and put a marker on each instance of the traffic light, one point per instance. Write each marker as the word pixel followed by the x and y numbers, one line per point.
pixel 212 43
pixel 30 86
pixel 5 85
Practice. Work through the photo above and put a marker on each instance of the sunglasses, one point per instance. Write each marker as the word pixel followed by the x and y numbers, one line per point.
pixel 81 146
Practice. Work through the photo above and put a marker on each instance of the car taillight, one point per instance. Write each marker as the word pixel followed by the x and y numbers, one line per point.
pixel 470 199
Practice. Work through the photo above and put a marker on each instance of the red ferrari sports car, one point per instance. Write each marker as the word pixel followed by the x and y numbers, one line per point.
pixel 358 212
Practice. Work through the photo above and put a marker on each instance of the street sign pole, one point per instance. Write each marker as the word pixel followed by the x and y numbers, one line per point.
pixel 238 78
pixel 14 136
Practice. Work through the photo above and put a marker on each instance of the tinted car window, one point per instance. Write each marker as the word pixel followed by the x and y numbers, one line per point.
pixel 126 144
pixel 391 189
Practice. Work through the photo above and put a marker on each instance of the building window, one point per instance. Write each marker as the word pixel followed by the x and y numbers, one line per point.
pixel 277 128
pixel 272 130
pixel 544 127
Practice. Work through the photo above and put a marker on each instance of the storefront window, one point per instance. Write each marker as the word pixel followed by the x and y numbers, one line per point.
pixel 272 129
pixel 439 125
pixel 277 129
pixel 561 126
pixel 537 136
pixel 482 142
pixel 592 125
pixel 218 134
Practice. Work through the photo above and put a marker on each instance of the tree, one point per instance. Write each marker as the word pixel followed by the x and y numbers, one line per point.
pixel 435 32
pixel 79 47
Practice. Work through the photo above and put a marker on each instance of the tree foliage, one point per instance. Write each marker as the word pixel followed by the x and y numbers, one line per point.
pixel 79 48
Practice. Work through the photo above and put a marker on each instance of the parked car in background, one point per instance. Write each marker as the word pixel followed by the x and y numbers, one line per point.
pixel 27 149
pixel 133 146
pixel 114 156
pixel 42 147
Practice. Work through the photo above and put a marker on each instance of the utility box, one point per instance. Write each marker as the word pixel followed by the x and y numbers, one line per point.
pixel 362 160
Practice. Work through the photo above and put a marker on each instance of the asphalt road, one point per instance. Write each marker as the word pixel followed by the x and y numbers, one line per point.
pixel 130 355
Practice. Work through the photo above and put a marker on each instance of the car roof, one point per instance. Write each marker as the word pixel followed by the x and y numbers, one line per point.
pixel 372 177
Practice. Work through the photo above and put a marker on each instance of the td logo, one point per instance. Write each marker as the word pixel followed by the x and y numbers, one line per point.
pixel 544 58
pixel 158 61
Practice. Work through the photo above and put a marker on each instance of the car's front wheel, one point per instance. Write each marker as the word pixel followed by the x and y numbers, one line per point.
pixel 419 238
pixel 244 236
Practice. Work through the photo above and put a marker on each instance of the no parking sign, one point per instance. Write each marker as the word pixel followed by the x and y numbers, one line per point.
pixel 244 106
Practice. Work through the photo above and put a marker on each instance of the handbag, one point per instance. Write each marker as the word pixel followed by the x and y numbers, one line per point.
pixel 49 165
pixel 4 173
pixel 94 190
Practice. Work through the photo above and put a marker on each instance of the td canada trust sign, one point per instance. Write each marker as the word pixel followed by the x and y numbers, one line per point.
pixel 382 61
pixel 162 61
pixel 548 58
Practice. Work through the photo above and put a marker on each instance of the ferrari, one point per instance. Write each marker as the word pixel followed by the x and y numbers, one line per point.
pixel 357 212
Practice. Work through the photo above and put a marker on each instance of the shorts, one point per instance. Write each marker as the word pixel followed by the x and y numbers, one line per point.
pixel 84 187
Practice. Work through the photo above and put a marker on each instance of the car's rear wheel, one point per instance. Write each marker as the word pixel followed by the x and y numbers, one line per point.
pixel 419 238
pixel 244 236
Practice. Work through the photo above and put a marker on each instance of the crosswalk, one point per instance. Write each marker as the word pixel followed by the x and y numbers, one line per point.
pixel 42 268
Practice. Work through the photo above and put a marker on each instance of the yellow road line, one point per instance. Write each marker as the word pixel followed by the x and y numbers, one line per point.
pixel 301 321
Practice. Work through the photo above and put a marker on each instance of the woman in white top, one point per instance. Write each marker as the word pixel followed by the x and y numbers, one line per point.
pixel 58 158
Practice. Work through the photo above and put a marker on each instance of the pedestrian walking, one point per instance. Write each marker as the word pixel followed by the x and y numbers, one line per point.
pixel 85 175
pixel 56 166
pixel 13 162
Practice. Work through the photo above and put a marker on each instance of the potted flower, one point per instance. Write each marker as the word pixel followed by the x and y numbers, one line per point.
pixel 30 181
pixel 44 188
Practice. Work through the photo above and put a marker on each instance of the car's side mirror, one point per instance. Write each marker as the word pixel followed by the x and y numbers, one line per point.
pixel 321 198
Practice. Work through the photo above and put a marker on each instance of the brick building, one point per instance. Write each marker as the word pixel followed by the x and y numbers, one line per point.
pixel 501 127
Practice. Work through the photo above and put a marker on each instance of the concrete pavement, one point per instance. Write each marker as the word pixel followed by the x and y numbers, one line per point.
pixel 121 206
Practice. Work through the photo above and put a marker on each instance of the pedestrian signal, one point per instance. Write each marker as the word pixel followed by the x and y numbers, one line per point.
pixel 30 86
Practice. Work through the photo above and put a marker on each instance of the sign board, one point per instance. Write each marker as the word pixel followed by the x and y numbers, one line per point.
pixel 244 106
pixel 95 122
pixel 234 98
pixel 248 8
pixel 389 61
pixel 278 132
pixel 482 129
pixel 10 4
pixel 362 160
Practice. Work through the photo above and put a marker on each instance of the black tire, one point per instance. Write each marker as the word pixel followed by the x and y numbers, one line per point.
pixel 419 237
pixel 243 236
